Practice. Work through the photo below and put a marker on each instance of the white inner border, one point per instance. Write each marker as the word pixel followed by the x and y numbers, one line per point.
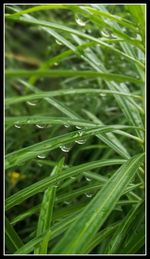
pixel 145 122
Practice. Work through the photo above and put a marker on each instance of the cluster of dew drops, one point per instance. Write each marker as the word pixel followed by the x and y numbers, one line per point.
pixel 64 148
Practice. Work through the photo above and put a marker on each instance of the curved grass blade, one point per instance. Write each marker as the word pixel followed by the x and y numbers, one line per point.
pixel 133 117
pixel 109 138
pixel 29 247
pixel 138 12
pixel 111 141
pixel 120 233
pixel 36 9
pixel 45 120
pixel 23 120
pixel 70 73
pixel 18 99
pixel 46 211
pixel 82 10
pixel 56 230
pixel 62 56
pixel 100 236
pixel 126 47
pixel 88 189
pixel 73 208
pixel 102 22
pixel 116 18
pixel 136 243
pixel 48 181
pixel 96 212
pixel 25 154
pixel 25 214
pixel 43 24
pixel 13 241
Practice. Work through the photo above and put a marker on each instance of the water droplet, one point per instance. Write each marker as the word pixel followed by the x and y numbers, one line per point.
pixel 17 126
pixel 80 141
pixel 58 42
pixel 88 179
pixel 41 156
pixel 66 125
pixel 78 127
pixel 102 94
pixel 65 148
pixel 114 36
pixel 80 20
pixel 88 195
pixel 39 126
pixel 31 103
pixel 105 33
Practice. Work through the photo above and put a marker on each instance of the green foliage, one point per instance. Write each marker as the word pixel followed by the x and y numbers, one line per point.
pixel 74 122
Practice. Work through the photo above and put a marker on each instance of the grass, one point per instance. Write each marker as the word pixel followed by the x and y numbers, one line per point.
pixel 74 129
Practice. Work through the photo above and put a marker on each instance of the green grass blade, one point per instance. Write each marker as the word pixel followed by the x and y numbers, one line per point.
pixel 110 140
pixel 13 241
pixel 134 118
pixel 24 215
pixel 98 209
pixel 36 9
pixel 62 56
pixel 73 208
pixel 17 99
pixel 92 15
pixel 100 236
pixel 57 229
pixel 46 211
pixel 121 231
pixel 138 12
pixel 69 73
pixel 25 154
pixel 29 247
pixel 42 120
pixel 32 20
pixel 101 22
pixel 43 184
pixel 136 242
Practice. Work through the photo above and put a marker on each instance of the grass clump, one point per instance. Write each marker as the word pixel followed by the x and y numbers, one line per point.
pixel 75 114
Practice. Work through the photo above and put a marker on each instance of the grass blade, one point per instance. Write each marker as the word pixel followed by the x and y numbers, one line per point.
pixel 121 231
pixel 32 20
pixel 25 154
pixel 13 241
pixel 69 73
pixel 17 99
pixel 43 184
pixel 46 212
pixel 97 211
